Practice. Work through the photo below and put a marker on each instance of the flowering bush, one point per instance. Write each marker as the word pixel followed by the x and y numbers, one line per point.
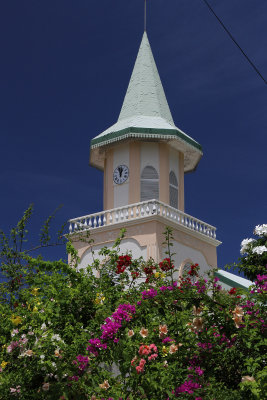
pixel 254 254
pixel 134 334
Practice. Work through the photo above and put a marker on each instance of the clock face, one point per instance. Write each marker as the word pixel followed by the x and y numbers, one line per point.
pixel 120 174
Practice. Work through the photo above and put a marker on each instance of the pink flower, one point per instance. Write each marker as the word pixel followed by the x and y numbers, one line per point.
pixel 139 369
pixel 153 356
pixel 199 371
pixel 153 347
pixel 144 350
pixel 142 363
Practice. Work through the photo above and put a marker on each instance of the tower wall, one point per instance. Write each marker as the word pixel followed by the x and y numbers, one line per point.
pixel 145 239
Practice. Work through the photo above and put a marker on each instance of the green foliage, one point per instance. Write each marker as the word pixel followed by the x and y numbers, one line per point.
pixel 184 339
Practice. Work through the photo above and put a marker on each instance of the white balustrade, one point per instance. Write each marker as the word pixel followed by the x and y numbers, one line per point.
pixel 142 210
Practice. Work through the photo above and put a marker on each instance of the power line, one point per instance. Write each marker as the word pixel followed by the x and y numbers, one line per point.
pixel 233 39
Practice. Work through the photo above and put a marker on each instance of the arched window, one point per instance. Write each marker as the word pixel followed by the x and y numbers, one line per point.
pixel 173 190
pixel 185 267
pixel 149 184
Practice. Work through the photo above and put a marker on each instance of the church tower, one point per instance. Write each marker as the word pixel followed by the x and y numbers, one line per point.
pixel 144 157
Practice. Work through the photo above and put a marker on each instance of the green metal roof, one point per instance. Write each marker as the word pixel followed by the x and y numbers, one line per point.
pixel 145 114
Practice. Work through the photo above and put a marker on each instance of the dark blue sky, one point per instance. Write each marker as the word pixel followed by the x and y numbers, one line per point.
pixel 64 70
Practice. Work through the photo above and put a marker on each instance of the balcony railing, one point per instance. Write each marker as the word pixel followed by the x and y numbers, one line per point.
pixel 141 211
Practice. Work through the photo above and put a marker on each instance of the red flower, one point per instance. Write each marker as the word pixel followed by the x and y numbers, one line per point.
pixel 166 264
pixel 134 274
pixel 193 270
pixel 122 263
pixel 232 291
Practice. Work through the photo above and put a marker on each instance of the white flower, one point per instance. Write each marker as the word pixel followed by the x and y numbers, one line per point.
pixel 42 356
pixel 55 337
pixel 244 245
pixel 261 230
pixel 54 365
pixel 259 249
pixel 43 326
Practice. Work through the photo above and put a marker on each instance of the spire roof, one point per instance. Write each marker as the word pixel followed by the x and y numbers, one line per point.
pixel 145 95
pixel 145 115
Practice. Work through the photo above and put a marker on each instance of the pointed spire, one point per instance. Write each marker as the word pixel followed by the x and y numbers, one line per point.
pixel 145 95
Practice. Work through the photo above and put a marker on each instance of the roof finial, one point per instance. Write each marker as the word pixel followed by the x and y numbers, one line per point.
pixel 145 17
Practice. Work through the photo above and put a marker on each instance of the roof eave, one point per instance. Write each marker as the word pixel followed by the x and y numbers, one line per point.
pixel 176 138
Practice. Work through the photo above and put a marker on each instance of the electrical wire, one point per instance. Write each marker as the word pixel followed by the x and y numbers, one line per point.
pixel 233 39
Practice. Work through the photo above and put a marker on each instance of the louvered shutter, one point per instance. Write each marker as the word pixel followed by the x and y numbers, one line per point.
pixel 149 184
pixel 173 190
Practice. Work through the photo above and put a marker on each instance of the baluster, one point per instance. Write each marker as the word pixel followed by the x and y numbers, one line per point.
pixel 142 211
pixel 104 219
pixel 117 216
pixel 94 222
pixel 85 223
pixel 126 214
pixel 75 226
pixel 121 214
pixel 90 222
pixel 99 222
pixel 132 213
pixel 190 223
pixel 164 212
pixel 137 211
pixel 154 209
pixel 147 209
pixel 110 218
pixel 167 213
pixel 70 227
pixel 214 234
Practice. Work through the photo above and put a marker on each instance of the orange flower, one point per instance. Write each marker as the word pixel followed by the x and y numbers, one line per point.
pixel 238 312
pixel 197 324
pixel 105 385
pixel 45 386
pixel 238 321
pixel 238 316
pixel 130 332
pixel 163 330
pixel 144 332
pixel 57 353
pixel 173 348
pixel 197 310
